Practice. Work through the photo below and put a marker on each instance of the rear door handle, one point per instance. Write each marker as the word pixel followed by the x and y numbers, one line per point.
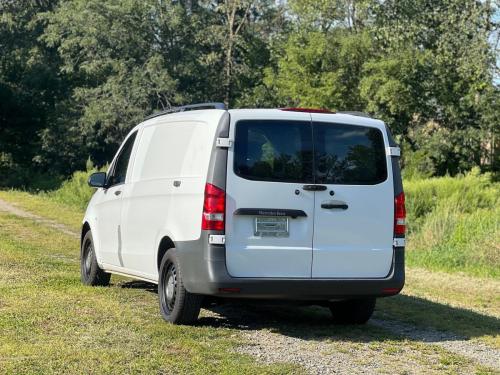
pixel 314 187
pixel 336 205
pixel 118 192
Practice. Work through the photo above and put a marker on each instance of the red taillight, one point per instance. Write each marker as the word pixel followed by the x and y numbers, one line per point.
pixel 214 207
pixel 310 110
pixel 399 214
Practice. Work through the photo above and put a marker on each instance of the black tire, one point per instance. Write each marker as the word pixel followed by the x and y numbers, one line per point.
pixel 177 305
pixel 90 272
pixel 355 311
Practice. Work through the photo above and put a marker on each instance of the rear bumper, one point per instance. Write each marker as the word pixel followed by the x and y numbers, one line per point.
pixel 203 269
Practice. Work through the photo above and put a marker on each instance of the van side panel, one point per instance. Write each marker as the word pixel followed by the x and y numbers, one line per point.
pixel 184 215
pixel 166 193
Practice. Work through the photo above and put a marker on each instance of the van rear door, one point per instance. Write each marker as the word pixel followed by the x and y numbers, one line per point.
pixel 354 216
pixel 269 217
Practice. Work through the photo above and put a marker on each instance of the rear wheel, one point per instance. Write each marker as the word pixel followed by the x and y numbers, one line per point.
pixel 177 305
pixel 355 311
pixel 90 272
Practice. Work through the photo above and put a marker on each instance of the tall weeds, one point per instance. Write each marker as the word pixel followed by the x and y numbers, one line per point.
pixel 454 224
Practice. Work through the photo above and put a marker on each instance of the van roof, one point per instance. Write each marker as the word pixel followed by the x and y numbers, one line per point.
pixel 347 118
pixel 261 113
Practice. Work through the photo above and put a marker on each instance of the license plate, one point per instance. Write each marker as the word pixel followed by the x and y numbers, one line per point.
pixel 271 226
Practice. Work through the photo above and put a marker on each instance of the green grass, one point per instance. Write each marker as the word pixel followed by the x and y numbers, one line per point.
pixel 463 305
pixel 43 205
pixel 457 290
pixel 454 224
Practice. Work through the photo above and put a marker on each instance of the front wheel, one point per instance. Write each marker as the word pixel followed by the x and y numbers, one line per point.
pixel 355 311
pixel 177 305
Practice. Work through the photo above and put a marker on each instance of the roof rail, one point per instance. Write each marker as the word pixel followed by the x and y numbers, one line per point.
pixel 190 107
pixel 355 113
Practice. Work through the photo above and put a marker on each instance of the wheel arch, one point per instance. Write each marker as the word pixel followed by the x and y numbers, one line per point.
pixel 165 244
pixel 85 229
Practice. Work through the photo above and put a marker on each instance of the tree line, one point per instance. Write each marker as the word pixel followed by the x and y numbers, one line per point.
pixel 77 75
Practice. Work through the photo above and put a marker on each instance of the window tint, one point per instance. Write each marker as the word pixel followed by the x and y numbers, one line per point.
pixel 273 150
pixel 347 154
pixel 121 162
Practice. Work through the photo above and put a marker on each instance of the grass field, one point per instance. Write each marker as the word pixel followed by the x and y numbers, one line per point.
pixel 445 321
pixel 454 224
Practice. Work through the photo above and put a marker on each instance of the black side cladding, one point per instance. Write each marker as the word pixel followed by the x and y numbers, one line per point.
pixel 396 171
pixel 218 160
pixel 399 252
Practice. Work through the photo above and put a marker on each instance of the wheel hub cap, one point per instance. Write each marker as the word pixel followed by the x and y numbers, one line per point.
pixel 88 259
pixel 170 288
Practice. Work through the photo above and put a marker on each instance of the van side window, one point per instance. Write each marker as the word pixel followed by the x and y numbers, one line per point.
pixel 270 150
pixel 121 163
pixel 348 154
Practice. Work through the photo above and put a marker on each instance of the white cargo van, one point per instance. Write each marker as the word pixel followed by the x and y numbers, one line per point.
pixel 277 204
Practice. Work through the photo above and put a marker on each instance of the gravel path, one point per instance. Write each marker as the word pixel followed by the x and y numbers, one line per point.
pixel 476 351
pixel 7 207
pixel 317 357
pixel 311 341
pixel 305 336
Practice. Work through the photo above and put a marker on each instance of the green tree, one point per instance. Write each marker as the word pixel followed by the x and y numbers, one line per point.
pixel 433 78
pixel 129 58
pixel 239 39
pixel 424 67
pixel 31 89
pixel 76 75
pixel 320 61
pixel 112 51
pixel 321 69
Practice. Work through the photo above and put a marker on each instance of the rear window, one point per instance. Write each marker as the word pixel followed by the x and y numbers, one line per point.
pixel 284 151
pixel 273 151
pixel 348 155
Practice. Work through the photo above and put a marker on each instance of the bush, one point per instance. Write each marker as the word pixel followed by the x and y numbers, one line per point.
pixel 416 164
pixel 13 175
pixel 75 191
pixel 454 223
